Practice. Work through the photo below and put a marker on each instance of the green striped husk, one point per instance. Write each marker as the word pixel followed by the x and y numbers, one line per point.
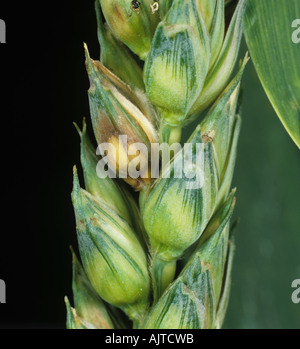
pixel 113 51
pixel 111 192
pixel 99 228
pixel 128 253
pixel 191 60
pixel 134 28
pixel 199 296
pixel 90 311
pixel 174 213
pixel 113 258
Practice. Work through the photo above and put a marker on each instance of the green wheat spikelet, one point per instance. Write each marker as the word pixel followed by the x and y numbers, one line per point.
pixel 155 242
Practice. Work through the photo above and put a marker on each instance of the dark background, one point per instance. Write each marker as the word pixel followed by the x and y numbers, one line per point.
pixel 43 90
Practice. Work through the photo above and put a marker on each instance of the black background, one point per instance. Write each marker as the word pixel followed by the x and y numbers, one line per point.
pixel 43 90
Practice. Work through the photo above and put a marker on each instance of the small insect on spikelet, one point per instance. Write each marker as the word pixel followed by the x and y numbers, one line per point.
pixel 155 243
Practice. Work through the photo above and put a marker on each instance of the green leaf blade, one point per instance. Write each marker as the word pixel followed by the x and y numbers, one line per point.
pixel 268 31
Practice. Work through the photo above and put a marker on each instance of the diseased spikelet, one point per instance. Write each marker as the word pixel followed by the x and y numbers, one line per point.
pixel 157 253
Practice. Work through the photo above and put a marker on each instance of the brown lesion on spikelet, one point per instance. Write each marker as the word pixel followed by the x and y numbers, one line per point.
pixel 118 13
pixel 81 225
pixel 209 136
